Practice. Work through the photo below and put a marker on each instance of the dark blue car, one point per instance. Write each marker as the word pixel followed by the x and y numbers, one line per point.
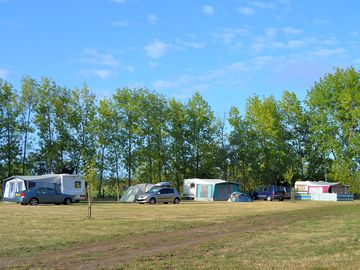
pixel 269 193
pixel 43 195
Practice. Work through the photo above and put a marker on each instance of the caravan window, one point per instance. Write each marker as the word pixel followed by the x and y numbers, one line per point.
pixel 77 184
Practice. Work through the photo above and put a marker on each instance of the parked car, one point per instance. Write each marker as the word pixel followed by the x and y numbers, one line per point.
pixel 160 194
pixel 269 193
pixel 239 197
pixel 287 192
pixel 43 195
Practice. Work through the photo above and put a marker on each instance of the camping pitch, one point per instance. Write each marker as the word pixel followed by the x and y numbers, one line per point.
pixel 130 194
pixel 209 189
pixel 64 183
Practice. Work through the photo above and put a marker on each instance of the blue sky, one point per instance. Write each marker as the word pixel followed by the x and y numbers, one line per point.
pixel 226 50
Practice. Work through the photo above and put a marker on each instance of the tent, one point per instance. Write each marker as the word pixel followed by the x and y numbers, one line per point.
pixel 209 189
pixel 64 183
pixel 133 191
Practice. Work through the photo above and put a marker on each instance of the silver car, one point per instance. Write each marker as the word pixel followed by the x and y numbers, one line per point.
pixel 158 194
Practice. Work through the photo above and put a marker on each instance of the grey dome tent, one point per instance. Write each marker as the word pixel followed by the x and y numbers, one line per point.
pixel 130 194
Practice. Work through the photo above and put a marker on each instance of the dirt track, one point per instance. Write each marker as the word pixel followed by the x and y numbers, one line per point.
pixel 108 254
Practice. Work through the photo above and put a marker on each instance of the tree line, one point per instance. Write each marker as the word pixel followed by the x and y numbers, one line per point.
pixel 137 135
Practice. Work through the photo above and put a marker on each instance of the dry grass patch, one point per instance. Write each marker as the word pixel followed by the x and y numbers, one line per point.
pixel 300 234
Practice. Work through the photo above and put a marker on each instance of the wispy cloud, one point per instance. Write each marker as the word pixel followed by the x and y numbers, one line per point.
pixel 119 1
pixel 260 61
pixel 208 10
pixel 156 49
pixel 326 52
pixel 130 68
pixel 247 11
pixel 263 5
pixel 152 18
pixel 291 30
pixel 101 73
pixel 184 44
pixel 4 73
pixel 93 57
pixel 121 23
pixel 271 32
pixel 228 35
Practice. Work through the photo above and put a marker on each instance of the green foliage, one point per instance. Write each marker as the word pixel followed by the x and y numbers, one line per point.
pixel 334 105
pixel 141 136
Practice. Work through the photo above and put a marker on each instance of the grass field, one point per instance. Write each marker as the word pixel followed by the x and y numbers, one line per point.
pixel 259 235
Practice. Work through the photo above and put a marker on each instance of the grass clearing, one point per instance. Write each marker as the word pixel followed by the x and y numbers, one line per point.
pixel 301 235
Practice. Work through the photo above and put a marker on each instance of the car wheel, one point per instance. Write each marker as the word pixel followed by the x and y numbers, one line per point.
pixel 269 198
pixel 152 201
pixel 281 199
pixel 34 202
pixel 176 201
pixel 67 201
pixel 254 198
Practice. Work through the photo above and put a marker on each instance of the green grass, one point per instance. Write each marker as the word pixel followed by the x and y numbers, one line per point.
pixel 319 235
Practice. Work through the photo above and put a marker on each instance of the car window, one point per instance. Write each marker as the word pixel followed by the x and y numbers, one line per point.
pixel 41 191
pixel 50 191
pixel 154 189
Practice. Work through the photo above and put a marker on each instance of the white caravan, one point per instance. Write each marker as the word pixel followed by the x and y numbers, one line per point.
pixel 64 183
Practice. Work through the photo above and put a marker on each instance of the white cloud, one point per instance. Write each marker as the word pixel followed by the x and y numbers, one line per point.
pixel 260 61
pixel 354 34
pixel 262 43
pixel 153 64
pixel 121 23
pixel 291 30
pixel 152 18
pixel 208 10
pixel 228 35
pixel 190 44
pixel 284 2
pixel 156 49
pixel 130 68
pixel 319 21
pixel 264 5
pixel 247 11
pixel 4 73
pixel 101 73
pixel 93 57
pixel 271 32
pixel 119 1
pixel 294 44
pixel 162 84
pixel 325 52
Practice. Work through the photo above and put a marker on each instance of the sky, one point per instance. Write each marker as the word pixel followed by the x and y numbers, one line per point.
pixel 227 50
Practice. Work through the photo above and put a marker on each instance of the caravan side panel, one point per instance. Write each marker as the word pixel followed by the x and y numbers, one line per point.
pixel 73 185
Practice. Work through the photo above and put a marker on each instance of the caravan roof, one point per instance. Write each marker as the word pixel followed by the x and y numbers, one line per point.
pixel 205 181
pixel 36 177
